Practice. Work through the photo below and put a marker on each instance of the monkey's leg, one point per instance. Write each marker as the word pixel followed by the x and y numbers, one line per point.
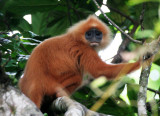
pixel 72 83
pixel 35 94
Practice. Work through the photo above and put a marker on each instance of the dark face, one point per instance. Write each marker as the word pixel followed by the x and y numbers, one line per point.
pixel 94 37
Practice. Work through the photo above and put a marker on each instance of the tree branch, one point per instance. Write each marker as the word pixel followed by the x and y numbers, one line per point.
pixel 143 89
pixel 12 101
pixel 121 13
pixel 73 108
pixel 129 37
pixel 142 16
pixel 124 44
pixel 21 45
pixel 152 49
pixel 155 91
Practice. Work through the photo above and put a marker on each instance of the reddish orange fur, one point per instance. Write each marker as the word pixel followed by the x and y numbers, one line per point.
pixel 59 62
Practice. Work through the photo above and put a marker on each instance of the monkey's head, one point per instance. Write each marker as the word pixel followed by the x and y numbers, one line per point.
pixel 91 31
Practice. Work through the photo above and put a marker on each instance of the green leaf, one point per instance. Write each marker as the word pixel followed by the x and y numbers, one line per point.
pixel 45 114
pixel 39 23
pixel 157 27
pixel 30 6
pixel 24 26
pixel 116 107
pixel 134 2
pixel 132 90
pixel 145 34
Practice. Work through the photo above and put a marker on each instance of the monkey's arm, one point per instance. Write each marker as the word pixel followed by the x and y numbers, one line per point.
pixel 96 67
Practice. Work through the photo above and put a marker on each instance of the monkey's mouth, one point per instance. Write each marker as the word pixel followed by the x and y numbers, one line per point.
pixel 94 44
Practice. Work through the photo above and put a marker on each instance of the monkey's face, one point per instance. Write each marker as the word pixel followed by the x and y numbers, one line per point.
pixel 94 37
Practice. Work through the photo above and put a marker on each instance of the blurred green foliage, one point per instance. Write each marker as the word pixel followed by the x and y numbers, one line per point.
pixel 52 17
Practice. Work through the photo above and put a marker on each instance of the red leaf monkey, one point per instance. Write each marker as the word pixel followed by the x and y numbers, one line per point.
pixel 59 62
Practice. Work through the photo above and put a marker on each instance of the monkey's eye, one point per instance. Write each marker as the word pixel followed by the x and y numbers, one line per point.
pixel 98 34
pixel 88 34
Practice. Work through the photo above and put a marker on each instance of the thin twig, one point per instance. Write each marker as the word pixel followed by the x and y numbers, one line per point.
pixel 24 49
pixel 122 14
pixel 3 65
pixel 124 44
pixel 142 16
pixel 129 37
pixel 69 15
pixel 3 32
pixel 155 91
pixel 7 24
pixel 76 12
pixel 22 46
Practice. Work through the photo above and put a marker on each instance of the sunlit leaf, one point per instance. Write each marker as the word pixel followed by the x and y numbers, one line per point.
pixel 134 2
pixel 145 34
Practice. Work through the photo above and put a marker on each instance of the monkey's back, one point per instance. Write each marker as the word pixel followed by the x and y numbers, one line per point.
pixel 44 64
